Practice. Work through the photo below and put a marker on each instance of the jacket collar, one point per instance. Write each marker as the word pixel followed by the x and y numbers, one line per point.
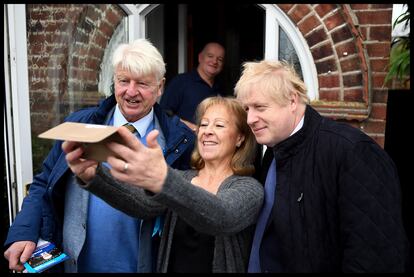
pixel 173 129
pixel 294 143
pixel 105 106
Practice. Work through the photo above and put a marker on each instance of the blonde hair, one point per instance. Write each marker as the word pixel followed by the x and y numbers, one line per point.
pixel 276 79
pixel 242 160
pixel 140 57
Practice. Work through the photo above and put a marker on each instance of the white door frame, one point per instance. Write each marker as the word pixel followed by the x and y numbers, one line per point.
pixel 17 131
pixel 133 21
pixel 136 25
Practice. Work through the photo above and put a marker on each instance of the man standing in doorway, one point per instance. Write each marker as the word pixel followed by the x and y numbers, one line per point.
pixel 187 90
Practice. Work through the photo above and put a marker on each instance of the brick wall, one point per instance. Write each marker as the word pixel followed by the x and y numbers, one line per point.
pixel 66 44
pixel 350 44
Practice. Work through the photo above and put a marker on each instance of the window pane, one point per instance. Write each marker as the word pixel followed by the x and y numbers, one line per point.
pixel 67 45
pixel 287 52
pixel 155 27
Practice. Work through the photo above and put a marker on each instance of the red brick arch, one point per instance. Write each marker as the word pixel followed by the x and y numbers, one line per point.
pixel 350 46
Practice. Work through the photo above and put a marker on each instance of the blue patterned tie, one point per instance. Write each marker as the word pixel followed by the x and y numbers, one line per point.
pixel 270 186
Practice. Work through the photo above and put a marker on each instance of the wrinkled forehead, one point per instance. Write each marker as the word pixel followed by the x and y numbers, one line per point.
pixel 136 73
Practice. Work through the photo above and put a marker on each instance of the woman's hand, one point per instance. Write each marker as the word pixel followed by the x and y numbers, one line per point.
pixel 84 169
pixel 137 164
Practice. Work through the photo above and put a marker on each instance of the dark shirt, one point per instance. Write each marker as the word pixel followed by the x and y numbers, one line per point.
pixel 191 251
pixel 184 92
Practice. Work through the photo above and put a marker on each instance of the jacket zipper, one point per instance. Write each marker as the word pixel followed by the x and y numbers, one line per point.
pixel 305 231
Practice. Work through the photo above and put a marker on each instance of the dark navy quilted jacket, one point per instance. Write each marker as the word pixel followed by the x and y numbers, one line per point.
pixel 338 203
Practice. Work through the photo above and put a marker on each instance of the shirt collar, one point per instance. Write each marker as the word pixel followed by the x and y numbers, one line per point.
pixel 196 76
pixel 141 125
pixel 300 124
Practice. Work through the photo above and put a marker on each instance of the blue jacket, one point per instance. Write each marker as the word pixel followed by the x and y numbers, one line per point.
pixel 42 210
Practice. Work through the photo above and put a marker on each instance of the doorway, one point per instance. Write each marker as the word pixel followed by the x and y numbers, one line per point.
pixel 239 28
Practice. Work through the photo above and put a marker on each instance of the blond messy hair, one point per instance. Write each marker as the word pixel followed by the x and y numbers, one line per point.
pixel 276 79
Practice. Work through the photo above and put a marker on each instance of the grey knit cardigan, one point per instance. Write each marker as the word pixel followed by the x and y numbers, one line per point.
pixel 229 215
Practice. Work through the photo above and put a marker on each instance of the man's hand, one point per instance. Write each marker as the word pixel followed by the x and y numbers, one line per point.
pixel 190 125
pixel 18 253
pixel 84 169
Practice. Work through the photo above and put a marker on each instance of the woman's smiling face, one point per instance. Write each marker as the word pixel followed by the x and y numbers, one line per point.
pixel 218 135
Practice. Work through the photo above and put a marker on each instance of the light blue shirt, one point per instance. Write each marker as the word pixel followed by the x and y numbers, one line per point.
pixel 112 237
pixel 141 125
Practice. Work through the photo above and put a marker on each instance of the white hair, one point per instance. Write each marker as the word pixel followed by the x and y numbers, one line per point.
pixel 140 57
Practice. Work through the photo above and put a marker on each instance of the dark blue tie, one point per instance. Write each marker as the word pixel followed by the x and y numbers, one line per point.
pixel 270 186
